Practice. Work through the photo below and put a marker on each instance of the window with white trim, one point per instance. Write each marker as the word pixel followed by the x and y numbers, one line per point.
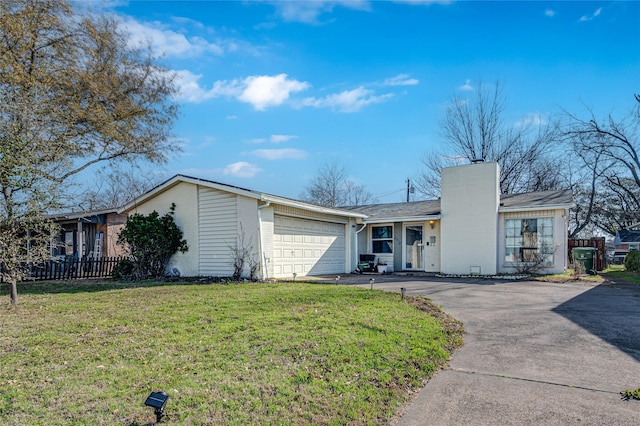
pixel 382 239
pixel 529 240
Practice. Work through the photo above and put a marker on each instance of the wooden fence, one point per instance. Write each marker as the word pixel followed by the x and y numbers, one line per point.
pixel 600 261
pixel 73 269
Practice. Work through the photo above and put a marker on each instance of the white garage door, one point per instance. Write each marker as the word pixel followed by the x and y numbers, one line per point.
pixel 307 247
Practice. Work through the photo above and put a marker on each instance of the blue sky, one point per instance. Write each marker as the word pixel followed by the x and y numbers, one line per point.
pixel 270 91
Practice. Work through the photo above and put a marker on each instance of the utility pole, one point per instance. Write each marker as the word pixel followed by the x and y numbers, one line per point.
pixel 410 189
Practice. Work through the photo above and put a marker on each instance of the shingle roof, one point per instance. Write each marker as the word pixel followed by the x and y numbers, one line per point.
pixel 418 209
pixel 262 196
pixel 537 199
pixel 628 236
pixel 400 210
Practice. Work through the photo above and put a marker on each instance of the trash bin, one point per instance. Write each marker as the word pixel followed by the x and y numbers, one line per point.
pixel 585 256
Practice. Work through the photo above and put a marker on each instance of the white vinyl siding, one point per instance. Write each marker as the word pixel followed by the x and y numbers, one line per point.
pixel 185 197
pixel 218 231
pixel 307 247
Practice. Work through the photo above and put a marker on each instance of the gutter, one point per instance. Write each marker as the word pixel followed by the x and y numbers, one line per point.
pixel 533 209
pixel 403 219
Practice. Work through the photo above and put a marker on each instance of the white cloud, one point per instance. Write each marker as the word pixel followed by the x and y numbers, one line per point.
pixel 190 90
pixel 347 101
pixel 550 13
pixel 280 154
pixel 586 18
pixel 168 42
pixel 281 138
pixel 534 119
pixel 264 91
pixel 242 169
pixel 275 139
pixel 466 87
pixel 400 80
pixel 260 91
pixel 257 140
pixel 308 11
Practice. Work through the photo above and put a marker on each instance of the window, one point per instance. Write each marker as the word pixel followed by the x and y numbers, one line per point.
pixel 68 242
pixel 529 240
pixel 382 239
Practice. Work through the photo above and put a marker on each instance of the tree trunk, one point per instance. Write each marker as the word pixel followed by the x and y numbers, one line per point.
pixel 13 289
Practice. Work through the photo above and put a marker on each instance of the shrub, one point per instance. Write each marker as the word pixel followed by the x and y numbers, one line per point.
pixel 243 254
pixel 632 261
pixel 151 241
pixel 123 270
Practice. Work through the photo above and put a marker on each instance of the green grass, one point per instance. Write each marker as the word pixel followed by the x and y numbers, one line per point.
pixel 613 271
pixel 569 275
pixel 89 354
pixel 618 271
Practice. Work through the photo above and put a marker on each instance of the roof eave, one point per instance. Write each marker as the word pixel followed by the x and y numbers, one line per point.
pixel 80 215
pixel 534 208
pixel 311 207
pixel 175 180
pixel 403 219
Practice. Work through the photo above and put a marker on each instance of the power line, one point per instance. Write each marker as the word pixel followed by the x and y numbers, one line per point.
pixel 390 193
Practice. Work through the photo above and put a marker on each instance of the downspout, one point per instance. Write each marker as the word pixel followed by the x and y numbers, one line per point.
pixel 261 244
pixel 364 225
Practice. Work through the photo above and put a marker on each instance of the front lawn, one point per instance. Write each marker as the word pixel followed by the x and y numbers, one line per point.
pixel 226 354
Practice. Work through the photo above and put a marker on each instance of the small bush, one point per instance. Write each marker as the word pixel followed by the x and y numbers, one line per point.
pixel 151 241
pixel 123 270
pixel 632 261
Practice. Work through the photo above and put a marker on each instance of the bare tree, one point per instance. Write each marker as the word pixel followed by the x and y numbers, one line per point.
pixel 356 195
pixel 114 186
pixel 73 93
pixel 474 129
pixel 616 138
pixel 583 182
pixel 331 187
pixel 609 148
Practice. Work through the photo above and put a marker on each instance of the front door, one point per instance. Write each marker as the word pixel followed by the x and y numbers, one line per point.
pixel 413 252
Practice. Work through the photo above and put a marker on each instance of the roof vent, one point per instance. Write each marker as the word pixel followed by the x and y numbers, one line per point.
pixel 477 160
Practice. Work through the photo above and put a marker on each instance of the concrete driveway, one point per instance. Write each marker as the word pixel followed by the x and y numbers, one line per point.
pixel 535 353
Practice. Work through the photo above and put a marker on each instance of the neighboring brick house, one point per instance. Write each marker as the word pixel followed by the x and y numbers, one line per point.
pixel 88 234
pixel 628 239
